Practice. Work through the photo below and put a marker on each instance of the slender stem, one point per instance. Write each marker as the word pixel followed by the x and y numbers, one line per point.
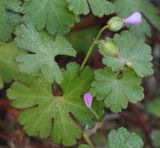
pixel 85 136
pixel 92 47
pixel 87 139
pixel 92 110
pixel 87 56
pixel 100 32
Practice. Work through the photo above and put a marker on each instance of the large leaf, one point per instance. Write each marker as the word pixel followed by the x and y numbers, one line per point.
pixel 133 52
pixel 43 50
pixel 122 138
pixel 8 19
pixel 124 8
pixel 98 7
pixel 8 65
pixel 117 90
pixel 58 117
pixel 50 14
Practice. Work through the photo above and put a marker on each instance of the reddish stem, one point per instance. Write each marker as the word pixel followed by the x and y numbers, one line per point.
pixel 146 128
pixel 5 137
pixel 90 21
pixel 140 118
pixel 4 103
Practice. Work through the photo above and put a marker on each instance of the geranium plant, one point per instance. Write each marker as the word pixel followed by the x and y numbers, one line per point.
pixel 60 101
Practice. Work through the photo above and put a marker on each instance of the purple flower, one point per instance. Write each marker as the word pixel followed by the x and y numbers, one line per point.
pixel 88 99
pixel 135 19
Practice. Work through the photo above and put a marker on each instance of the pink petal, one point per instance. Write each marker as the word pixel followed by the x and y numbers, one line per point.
pixel 135 19
pixel 88 99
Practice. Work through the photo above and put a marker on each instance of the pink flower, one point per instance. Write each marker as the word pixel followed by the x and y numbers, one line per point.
pixel 135 19
pixel 88 98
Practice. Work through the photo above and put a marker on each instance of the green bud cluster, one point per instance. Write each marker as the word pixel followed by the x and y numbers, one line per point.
pixel 115 24
pixel 109 47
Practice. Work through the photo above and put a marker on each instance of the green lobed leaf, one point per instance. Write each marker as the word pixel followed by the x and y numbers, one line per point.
pixel 133 52
pixel 9 18
pixel 50 14
pixel 43 50
pixel 98 7
pixel 47 115
pixel 8 65
pixel 154 107
pixel 124 8
pixel 117 90
pixel 121 138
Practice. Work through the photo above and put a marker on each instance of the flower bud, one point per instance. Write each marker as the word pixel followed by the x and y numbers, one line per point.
pixel 115 24
pixel 109 47
pixel 135 19
pixel 88 98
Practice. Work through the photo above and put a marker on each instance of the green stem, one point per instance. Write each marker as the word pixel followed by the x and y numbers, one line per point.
pixel 87 139
pixel 85 136
pixel 92 47
pixel 92 110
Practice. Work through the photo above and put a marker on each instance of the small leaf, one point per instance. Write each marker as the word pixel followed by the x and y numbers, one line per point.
pixel 143 6
pixel 47 115
pixel 133 52
pixel 98 7
pixel 43 50
pixel 51 14
pixel 115 90
pixel 121 138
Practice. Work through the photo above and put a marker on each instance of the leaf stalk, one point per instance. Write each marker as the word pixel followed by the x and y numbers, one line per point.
pixel 87 139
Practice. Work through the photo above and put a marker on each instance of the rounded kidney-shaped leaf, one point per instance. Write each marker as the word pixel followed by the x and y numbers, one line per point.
pixel 115 90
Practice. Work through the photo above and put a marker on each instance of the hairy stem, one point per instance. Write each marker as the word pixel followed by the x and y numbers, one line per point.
pixel 87 139
pixel 92 47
